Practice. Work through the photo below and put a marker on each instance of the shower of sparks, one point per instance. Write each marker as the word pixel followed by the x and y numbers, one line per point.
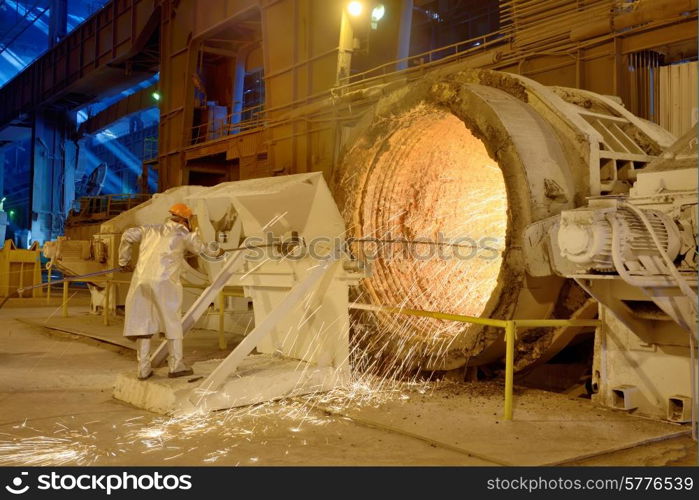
pixel 175 438
pixel 66 447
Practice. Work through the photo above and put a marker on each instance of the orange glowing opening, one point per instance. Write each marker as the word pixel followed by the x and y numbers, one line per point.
pixel 434 181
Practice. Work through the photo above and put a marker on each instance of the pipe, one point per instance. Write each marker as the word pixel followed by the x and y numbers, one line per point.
pixel 239 82
pixel 651 11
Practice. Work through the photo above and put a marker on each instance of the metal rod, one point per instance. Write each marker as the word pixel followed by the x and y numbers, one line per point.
pixel 510 327
pixel 65 298
pixel 510 332
pixel 201 304
pixel 534 323
pixel 292 299
pixel 431 314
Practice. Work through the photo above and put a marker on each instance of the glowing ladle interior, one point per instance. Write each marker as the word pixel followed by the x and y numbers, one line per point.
pixel 434 177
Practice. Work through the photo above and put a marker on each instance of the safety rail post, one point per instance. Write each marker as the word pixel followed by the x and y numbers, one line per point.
pixel 48 287
pixel 105 305
pixel 510 335
pixel 510 327
pixel 64 305
pixel 21 276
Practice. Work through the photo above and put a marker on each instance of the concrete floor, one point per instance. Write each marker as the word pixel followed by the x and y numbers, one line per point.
pixel 55 395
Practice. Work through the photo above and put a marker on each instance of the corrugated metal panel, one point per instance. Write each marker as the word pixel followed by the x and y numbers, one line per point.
pixel 677 97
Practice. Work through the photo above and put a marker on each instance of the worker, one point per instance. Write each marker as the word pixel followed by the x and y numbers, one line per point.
pixel 155 296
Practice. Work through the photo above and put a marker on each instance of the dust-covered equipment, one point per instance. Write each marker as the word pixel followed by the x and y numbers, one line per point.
pixel 636 254
pixel 282 240
pixel 558 198
pixel 570 185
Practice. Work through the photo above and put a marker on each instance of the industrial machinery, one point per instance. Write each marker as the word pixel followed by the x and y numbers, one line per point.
pixel 284 236
pixel 547 187
pixel 636 254
pixel 481 155
pixel 491 155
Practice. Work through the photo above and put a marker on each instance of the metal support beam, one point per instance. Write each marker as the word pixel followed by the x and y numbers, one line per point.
pixel 406 22
pixel 88 62
pixel 58 21
pixel 138 101
pixel 53 162
pixel 510 337
pixel 617 73
pixel 218 51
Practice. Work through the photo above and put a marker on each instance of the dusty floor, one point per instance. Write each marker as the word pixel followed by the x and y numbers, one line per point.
pixel 56 408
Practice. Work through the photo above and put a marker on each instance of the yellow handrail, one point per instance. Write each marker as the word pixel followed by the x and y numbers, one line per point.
pixel 509 325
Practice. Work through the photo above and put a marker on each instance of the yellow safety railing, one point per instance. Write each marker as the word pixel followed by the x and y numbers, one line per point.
pixel 222 342
pixel 64 298
pixel 510 326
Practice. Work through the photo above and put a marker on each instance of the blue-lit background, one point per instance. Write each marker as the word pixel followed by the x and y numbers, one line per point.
pixel 24 30
pixel 121 148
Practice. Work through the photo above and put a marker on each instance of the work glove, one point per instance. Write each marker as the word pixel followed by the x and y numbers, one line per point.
pixel 127 268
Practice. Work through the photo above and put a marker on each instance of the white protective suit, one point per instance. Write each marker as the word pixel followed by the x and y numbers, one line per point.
pixel 153 303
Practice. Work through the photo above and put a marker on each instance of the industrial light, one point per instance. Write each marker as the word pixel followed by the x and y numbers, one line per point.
pixel 355 8
pixel 378 13
pixel 156 96
pixel 11 213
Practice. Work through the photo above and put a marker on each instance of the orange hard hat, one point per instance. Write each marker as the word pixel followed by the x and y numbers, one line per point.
pixel 181 210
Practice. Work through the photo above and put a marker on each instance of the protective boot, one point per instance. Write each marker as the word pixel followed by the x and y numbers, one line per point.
pixel 175 363
pixel 143 357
